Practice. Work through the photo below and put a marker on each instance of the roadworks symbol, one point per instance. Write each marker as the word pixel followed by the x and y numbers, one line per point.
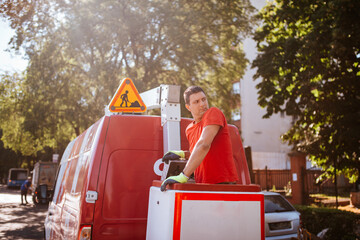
pixel 127 98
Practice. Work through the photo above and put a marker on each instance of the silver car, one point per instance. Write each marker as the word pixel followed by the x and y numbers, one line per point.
pixel 281 219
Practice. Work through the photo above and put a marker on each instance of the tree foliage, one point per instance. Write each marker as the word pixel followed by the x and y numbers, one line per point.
pixel 79 51
pixel 309 64
pixel 8 159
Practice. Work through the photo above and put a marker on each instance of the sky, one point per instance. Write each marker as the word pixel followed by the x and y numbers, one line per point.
pixel 10 62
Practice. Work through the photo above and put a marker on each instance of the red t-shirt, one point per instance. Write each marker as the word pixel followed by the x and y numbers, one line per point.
pixel 218 165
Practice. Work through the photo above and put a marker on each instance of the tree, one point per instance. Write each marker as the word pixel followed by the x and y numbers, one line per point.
pixel 12 93
pixel 80 50
pixel 8 159
pixel 309 64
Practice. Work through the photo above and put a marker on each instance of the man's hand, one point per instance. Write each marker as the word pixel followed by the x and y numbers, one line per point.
pixel 181 178
pixel 173 155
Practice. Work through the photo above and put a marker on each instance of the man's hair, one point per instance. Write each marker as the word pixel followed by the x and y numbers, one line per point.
pixel 191 90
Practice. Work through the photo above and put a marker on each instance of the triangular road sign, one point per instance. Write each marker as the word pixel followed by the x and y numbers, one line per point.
pixel 127 98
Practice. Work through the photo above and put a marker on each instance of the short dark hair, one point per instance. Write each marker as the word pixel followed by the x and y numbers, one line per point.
pixel 191 90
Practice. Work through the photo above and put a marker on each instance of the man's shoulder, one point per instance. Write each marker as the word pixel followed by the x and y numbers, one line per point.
pixel 214 116
pixel 213 111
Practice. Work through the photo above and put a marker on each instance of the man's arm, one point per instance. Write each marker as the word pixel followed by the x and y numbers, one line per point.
pixel 201 148
pixel 198 154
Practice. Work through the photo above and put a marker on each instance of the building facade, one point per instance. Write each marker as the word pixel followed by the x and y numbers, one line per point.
pixel 262 135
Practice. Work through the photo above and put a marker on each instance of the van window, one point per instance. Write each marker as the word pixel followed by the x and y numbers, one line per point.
pixel 77 146
pixel 62 183
pixel 83 160
pixel 61 173
pixel 71 174
pixel 74 163
pixel 80 174
pixel 71 165
pixel 90 138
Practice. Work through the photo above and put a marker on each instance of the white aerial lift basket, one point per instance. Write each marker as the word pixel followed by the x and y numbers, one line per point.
pixel 205 211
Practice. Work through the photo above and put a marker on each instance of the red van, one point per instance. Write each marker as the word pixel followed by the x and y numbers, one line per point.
pixel 104 177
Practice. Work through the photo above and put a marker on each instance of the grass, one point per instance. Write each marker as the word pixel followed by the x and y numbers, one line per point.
pixel 330 196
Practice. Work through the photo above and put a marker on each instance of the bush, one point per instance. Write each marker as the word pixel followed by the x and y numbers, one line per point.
pixel 342 225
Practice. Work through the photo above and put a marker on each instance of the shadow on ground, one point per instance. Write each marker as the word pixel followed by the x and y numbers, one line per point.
pixel 22 221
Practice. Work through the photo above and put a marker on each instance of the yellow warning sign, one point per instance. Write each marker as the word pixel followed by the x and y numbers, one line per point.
pixel 127 98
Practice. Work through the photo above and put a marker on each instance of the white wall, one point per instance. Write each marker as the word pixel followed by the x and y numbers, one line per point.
pixel 263 135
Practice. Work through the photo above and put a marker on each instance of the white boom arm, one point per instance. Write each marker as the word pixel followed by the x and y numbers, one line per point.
pixel 166 97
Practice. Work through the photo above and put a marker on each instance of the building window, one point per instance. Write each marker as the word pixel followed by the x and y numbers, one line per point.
pixel 235 114
pixel 236 87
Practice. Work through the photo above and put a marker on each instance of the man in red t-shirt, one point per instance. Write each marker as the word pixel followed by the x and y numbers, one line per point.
pixel 211 158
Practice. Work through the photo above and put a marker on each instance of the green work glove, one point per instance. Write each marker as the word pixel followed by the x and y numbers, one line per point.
pixel 173 155
pixel 181 178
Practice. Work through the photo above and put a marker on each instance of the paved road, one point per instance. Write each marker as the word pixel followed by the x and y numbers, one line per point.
pixel 20 221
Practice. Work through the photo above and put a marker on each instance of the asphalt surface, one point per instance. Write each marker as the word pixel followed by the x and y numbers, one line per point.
pixel 20 221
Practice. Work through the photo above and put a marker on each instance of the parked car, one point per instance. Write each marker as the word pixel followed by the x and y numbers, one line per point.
pixel 282 221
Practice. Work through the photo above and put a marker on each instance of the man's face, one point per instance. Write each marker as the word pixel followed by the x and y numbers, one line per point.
pixel 198 105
